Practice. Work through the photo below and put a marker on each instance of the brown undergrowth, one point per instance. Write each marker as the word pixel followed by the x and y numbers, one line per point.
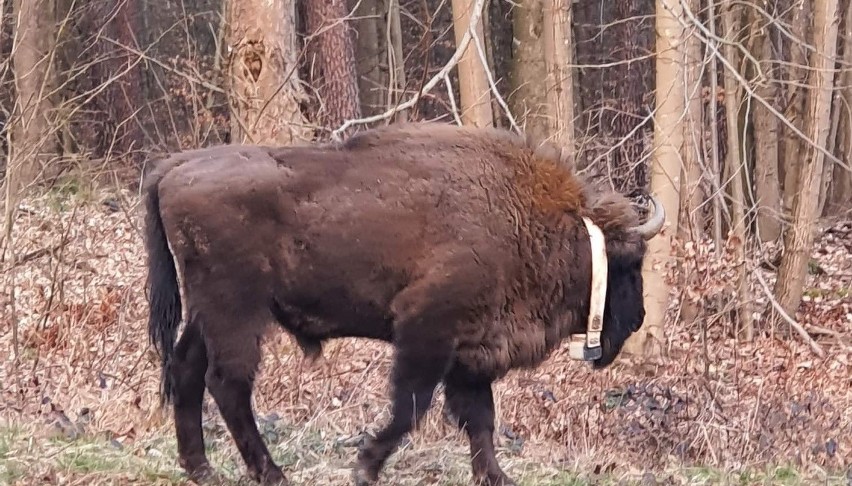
pixel 79 405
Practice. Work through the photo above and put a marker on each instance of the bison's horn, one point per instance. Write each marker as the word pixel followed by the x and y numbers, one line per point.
pixel 650 228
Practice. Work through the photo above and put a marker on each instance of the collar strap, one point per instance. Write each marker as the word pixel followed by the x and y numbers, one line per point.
pixel 587 347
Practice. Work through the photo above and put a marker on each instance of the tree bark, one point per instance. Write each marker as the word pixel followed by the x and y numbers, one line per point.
pixel 798 238
pixel 665 175
pixel 543 87
pixel 558 49
pixel 840 195
pixel 396 61
pixel 734 164
pixel 474 91
pixel 796 96
pixel 336 77
pixel 369 47
pixel 529 70
pixel 34 140
pixel 689 226
pixel 124 96
pixel 766 137
pixel 264 92
pixel 623 93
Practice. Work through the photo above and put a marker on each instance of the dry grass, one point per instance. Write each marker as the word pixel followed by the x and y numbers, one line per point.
pixel 80 404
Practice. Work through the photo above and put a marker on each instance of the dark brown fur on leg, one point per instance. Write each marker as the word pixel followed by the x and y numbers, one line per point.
pixel 230 378
pixel 472 404
pixel 414 382
pixel 187 374
pixel 422 359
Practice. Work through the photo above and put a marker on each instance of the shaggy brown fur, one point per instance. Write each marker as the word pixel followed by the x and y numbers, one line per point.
pixel 463 247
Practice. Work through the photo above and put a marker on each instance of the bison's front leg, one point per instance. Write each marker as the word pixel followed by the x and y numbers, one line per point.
pixel 420 364
pixel 472 403
pixel 427 315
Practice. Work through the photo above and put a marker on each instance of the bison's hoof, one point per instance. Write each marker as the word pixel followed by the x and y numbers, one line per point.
pixel 362 477
pixel 206 475
pixel 498 479
pixel 272 476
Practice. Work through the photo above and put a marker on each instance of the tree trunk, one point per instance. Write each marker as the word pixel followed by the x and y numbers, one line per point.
pixel 542 95
pixel 840 195
pixel 665 175
pixel 124 97
pixel 795 96
pixel 396 61
pixel 529 70
pixel 798 237
pixel 369 48
pixel 690 226
pixel 474 90
pixel 34 140
pixel 264 92
pixel 335 76
pixel 623 93
pixel 766 137
pixel 558 50
pixel 734 165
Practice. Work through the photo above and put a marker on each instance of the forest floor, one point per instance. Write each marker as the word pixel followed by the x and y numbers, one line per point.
pixel 80 405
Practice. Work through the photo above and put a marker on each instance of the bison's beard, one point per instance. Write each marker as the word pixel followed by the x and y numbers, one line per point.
pixel 609 351
pixel 624 313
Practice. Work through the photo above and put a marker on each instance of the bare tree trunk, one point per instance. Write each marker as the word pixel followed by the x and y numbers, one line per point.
pixel 529 70
pixel 840 195
pixel 124 96
pixel 734 164
pixel 396 62
pixel 766 137
pixel 689 226
pixel 336 77
pixel 264 92
pixel 34 140
pixel 796 96
pixel 558 55
pixel 542 95
pixel 624 89
pixel 474 91
pixel 798 238
pixel 665 175
pixel 369 48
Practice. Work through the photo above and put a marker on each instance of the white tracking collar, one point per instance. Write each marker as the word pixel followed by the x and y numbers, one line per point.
pixel 587 347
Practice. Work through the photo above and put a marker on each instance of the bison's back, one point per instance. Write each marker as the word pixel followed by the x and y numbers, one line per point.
pixel 326 232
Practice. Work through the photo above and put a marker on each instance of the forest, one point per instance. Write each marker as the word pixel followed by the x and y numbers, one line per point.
pixel 735 115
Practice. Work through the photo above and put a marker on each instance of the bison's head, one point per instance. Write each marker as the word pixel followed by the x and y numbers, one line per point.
pixel 624 309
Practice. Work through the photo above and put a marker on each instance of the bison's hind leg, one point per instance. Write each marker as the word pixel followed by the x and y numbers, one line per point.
pixel 187 377
pixel 233 347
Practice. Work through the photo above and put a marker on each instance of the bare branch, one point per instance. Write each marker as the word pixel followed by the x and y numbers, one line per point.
pixel 475 17
pixel 795 325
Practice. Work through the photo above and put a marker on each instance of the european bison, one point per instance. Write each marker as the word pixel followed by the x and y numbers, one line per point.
pixel 465 248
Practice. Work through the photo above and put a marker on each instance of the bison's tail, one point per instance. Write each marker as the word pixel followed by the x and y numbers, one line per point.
pixel 163 294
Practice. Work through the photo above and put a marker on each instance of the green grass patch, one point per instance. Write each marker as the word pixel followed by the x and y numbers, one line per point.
pixel 310 457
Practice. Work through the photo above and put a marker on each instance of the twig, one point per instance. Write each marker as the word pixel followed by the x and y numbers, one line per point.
pixel 453 106
pixel 454 60
pixel 798 327
pixel 34 255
